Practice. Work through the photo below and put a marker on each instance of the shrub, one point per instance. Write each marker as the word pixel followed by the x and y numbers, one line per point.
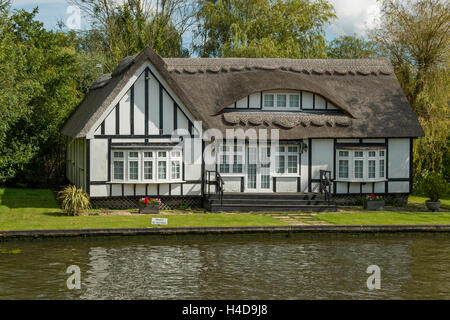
pixel 74 200
pixel 434 186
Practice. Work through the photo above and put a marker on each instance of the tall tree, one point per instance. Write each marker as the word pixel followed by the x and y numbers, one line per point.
pixel 39 87
pixel 124 28
pixel 415 35
pixel 262 28
pixel 351 47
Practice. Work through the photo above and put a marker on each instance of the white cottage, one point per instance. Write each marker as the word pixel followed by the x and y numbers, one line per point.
pixel 242 134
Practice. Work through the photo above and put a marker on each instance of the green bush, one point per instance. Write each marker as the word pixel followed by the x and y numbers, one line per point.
pixel 74 200
pixel 434 186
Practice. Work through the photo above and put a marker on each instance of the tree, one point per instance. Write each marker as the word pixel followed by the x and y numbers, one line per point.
pixel 39 80
pixel 415 35
pixel 123 29
pixel 262 28
pixel 351 47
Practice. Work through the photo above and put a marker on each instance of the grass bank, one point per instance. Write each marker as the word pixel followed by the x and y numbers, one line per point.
pixel 36 209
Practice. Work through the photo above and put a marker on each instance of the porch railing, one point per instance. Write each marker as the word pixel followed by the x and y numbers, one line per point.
pixel 325 184
pixel 214 178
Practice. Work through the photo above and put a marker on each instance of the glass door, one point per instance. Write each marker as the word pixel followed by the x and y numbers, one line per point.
pixel 252 168
pixel 258 177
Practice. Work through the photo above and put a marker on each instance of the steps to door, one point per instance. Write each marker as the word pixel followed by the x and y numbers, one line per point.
pixel 277 202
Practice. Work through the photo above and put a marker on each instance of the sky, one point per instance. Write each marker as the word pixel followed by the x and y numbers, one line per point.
pixel 354 16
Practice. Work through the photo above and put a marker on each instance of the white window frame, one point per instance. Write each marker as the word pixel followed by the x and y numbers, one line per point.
pixel 174 154
pixel 230 152
pixel 286 153
pixel 275 106
pixel 380 155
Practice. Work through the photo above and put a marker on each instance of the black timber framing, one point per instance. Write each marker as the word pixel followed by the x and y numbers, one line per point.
pixel 161 108
pixel 411 163
pixel 309 164
pixel 175 116
pixel 146 90
pixel 334 165
pixel 386 184
pixel 88 166
pixel 118 119
pixel 132 110
pixel 168 93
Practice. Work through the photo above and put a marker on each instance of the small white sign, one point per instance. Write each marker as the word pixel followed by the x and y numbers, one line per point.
pixel 160 221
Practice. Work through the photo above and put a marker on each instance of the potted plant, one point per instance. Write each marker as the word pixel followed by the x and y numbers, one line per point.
pixel 373 202
pixel 149 205
pixel 434 187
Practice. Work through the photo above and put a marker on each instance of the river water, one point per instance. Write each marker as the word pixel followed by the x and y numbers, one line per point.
pixel 326 266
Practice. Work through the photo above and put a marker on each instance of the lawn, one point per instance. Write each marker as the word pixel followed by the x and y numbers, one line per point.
pixel 384 217
pixel 27 209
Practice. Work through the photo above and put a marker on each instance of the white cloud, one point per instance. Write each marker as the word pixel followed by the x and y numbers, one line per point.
pixel 354 16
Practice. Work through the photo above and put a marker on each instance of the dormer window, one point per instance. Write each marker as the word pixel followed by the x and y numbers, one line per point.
pixel 282 101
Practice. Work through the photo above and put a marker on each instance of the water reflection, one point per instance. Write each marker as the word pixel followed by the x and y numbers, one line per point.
pixel 251 267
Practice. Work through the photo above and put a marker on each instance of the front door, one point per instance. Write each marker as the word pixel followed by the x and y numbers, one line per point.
pixel 257 171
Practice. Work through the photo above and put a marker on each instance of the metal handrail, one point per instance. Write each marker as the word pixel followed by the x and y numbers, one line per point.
pixel 218 182
pixel 325 184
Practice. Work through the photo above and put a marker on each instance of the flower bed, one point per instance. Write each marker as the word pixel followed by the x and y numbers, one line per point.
pixel 373 202
pixel 149 205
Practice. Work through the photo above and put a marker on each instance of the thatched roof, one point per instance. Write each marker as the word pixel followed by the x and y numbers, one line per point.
pixel 366 92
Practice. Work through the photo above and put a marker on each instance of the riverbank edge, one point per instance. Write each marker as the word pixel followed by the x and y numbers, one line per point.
pixel 161 231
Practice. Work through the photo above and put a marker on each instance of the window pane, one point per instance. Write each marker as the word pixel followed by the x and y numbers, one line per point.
pixel 280 149
pixel 343 153
pixel 175 169
pixel 224 166
pixel 252 158
pixel 176 154
pixel 162 154
pixel 148 170
pixel 292 149
pixel 118 170
pixel 133 170
pixel 281 100
pixel 118 154
pixel 237 164
pixel 372 168
pixel 359 166
pixel 294 100
pixel 381 168
pixel 358 154
pixel 133 154
pixel 148 154
pixel 371 154
pixel 162 170
pixel 382 153
pixel 280 164
pixel 292 164
pixel 343 168
pixel 268 100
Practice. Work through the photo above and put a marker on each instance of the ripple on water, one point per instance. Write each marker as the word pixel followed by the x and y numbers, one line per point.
pixel 413 266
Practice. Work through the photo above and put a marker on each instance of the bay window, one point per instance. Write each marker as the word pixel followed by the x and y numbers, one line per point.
pixel 143 166
pixel 366 165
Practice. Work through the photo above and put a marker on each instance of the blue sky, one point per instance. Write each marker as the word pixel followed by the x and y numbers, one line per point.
pixel 354 16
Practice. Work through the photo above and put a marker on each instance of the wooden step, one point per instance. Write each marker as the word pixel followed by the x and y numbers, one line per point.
pixel 270 208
